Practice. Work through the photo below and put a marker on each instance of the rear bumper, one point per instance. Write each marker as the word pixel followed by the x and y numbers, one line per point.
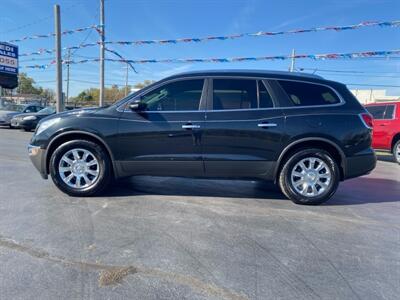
pixel 38 158
pixel 360 164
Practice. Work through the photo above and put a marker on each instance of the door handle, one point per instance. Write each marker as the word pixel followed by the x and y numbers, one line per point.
pixel 265 125
pixel 190 126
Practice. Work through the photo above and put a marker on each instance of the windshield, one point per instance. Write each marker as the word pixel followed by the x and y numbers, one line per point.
pixel 47 110
pixel 13 107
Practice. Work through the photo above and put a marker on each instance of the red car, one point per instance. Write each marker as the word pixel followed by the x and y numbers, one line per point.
pixel 386 131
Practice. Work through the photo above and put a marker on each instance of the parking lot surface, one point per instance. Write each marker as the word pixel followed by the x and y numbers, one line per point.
pixel 172 238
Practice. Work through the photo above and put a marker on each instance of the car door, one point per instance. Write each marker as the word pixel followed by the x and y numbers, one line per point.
pixel 165 138
pixel 380 135
pixel 243 129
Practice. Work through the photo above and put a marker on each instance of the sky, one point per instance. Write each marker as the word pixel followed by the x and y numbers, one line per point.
pixel 170 19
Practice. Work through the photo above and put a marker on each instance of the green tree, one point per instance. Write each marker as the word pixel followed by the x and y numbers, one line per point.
pixel 26 85
pixel 143 84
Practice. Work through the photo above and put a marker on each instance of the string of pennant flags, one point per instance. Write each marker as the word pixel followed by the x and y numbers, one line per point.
pixel 65 32
pixel 352 55
pixel 259 34
pixel 218 38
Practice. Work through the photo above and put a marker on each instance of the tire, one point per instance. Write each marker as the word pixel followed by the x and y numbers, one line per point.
pixel 96 167
pixel 27 129
pixel 396 152
pixel 325 181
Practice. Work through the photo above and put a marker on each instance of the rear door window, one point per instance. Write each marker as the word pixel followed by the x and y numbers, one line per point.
pixel 232 94
pixel 308 94
pixel 264 97
pixel 389 112
pixel 377 111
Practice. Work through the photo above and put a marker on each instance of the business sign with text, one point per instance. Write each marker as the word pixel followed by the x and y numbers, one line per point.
pixel 8 65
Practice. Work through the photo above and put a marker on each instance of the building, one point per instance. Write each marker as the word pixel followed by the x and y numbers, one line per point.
pixel 373 96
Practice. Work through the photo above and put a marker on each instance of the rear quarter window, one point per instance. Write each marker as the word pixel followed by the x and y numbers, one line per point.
pixel 308 94
pixel 377 111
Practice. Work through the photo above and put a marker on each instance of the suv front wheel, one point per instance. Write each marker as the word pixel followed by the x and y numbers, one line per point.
pixel 80 168
pixel 309 176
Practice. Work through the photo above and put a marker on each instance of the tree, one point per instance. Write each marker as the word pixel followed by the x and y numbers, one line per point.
pixel 143 84
pixel 26 85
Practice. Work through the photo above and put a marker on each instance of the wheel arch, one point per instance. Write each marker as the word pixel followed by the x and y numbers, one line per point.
pixel 76 135
pixel 313 142
pixel 395 139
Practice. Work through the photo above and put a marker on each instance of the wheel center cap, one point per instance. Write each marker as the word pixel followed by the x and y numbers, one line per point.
pixel 311 176
pixel 78 168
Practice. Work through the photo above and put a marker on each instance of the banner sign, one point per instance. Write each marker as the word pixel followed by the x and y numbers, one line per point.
pixel 8 58
pixel 8 65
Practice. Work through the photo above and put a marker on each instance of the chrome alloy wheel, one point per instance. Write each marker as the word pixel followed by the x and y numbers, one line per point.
pixel 78 168
pixel 311 177
pixel 397 153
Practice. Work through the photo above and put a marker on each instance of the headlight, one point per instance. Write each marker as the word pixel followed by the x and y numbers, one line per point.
pixel 46 124
pixel 29 118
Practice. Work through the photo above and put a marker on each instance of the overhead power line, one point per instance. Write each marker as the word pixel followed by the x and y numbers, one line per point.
pixel 346 71
pixel 373 85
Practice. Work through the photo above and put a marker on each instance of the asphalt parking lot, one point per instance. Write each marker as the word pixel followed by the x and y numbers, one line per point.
pixel 171 238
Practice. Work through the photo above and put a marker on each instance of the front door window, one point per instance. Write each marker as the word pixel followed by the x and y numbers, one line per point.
pixel 182 95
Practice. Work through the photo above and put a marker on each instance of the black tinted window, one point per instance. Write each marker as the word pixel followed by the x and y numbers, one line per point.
pixel 307 94
pixel 264 96
pixel 180 95
pixel 389 112
pixel 378 111
pixel 234 94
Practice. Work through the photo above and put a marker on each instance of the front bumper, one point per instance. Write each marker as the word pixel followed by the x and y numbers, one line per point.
pixel 360 164
pixel 38 158
pixel 15 123
pixel 4 123
pixel 29 124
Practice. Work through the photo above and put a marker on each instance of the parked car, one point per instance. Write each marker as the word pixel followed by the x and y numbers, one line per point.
pixel 386 133
pixel 8 111
pixel 28 121
pixel 301 131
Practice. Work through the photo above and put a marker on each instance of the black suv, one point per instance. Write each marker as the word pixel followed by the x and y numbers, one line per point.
pixel 300 131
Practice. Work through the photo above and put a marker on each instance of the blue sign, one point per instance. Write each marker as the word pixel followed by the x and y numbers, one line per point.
pixel 8 59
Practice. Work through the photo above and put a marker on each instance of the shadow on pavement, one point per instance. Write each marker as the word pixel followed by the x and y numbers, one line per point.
pixel 357 191
pixel 385 157
pixel 172 186
pixel 366 190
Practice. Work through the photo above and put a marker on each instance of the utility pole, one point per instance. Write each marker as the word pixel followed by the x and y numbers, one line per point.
pixel 126 79
pixel 68 59
pixel 291 69
pixel 57 24
pixel 102 39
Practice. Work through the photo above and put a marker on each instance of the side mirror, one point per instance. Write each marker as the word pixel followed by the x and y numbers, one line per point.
pixel 137 105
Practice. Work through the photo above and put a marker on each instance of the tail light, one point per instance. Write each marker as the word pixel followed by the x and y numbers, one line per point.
pixel 367 120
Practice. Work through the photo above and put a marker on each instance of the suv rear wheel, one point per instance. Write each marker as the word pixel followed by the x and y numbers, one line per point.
pixel 396 152
pixel 309 176
pixel 80 168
